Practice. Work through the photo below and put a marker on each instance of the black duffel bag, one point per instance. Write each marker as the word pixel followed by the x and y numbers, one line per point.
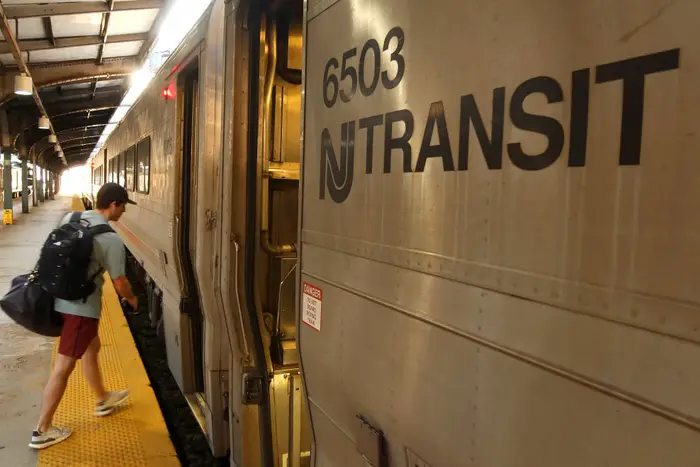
pixel 30 306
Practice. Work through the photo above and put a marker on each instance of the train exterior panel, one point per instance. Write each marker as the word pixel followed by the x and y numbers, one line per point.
pixel 499 243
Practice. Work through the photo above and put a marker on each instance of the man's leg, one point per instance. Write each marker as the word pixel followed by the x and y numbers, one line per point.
pixel 107 401
pixel 76 335
pixel 54 390
pixel 91 369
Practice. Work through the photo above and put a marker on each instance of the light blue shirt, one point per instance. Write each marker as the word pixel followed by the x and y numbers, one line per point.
pixel 107 253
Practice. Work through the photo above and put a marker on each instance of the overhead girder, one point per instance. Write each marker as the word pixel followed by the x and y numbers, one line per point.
pixel 58 109
pixel 67 150
pixel 31 45
pixel 44 142
pixel 75 8
pixel 91 131
pixel 52 94
pixel 29 126
pixel 33 135
pixel 84 110
pixel 76 72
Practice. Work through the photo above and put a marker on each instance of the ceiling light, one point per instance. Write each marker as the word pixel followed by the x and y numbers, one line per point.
pixel 23 85
pixel 44 123
pixel 53 139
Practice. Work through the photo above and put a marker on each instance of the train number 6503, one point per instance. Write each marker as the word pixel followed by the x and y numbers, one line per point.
pixel 331 83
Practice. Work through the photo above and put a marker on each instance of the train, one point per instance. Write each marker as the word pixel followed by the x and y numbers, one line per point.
pixel 16 169
pixel 410 233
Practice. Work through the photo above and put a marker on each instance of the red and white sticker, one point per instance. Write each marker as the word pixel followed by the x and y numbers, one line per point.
pixel 312 301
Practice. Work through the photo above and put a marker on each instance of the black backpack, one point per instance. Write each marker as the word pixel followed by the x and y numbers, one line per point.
pixel 62 270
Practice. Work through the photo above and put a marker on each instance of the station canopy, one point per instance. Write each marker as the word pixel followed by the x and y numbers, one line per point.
pixel 80 56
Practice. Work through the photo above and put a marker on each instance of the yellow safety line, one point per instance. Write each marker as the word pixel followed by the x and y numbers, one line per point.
pixel 136 434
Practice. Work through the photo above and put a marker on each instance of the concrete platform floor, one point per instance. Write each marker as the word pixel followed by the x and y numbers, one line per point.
pixel 25 358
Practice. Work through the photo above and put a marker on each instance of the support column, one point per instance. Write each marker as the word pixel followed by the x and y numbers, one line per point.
pixel 52 192
pixel 35 184
pixel 40 185
pixel 8 213
pixel 25 187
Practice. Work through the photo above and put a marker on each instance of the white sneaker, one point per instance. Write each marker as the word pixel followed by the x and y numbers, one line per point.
pixel 114 399
pixel 50 437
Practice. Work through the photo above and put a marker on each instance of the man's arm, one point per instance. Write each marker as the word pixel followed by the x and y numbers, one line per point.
pixel 115 264
pixel 123 288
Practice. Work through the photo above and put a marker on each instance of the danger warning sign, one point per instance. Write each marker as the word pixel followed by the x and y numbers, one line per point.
pixel 311 304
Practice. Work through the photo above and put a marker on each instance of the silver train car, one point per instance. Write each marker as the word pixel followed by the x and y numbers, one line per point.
pixel 409 233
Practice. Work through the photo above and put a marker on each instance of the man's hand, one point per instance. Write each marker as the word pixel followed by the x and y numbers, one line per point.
pixel 123 288
pixel 133 302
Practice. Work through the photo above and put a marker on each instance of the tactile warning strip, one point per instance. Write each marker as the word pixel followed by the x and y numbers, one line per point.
pixel 133 436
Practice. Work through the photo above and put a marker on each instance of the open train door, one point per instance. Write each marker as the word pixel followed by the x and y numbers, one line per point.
pixel 190 306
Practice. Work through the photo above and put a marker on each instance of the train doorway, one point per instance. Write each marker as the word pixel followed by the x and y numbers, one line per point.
pixel 190 302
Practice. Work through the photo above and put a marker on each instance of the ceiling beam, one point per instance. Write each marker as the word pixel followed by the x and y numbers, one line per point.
pixel 48 31
pixel 75 8
pixel 90 108
pixel 89 111
pixel 31 45
pixel 103 33
pixel 34 141
pixel 43 144
pixel 68 93
pixel 84 72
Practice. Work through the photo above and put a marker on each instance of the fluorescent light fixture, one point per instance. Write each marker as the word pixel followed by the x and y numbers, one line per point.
pixel 53 138
pixel 183 16
pixel 121 111
pixel 44 123
pixel 23 85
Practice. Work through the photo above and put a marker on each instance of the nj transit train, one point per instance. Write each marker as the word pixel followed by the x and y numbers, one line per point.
pixel 409 233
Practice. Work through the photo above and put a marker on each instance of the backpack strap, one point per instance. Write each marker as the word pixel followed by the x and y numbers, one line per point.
pixel 75 217
pixel 100 229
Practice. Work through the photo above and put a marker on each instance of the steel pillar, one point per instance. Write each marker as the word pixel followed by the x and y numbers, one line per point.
pixel 25 187
pixel 8 213
pixel 35 186
pixel 40 183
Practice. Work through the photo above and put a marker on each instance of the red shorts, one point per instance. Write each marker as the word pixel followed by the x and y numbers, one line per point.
pixel 77 334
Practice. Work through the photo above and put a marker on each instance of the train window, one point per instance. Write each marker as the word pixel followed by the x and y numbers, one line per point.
pixel 121 170
pixel 143 177
pixel 110 174
pixel 97 176
pixel 130 168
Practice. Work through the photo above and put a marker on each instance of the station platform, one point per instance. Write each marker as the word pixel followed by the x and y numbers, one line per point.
pixel 135 435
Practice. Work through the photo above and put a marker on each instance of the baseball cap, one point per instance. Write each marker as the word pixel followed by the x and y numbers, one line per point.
pixel 113 192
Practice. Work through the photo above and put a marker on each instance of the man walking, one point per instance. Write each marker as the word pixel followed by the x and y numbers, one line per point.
pixel 79 338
